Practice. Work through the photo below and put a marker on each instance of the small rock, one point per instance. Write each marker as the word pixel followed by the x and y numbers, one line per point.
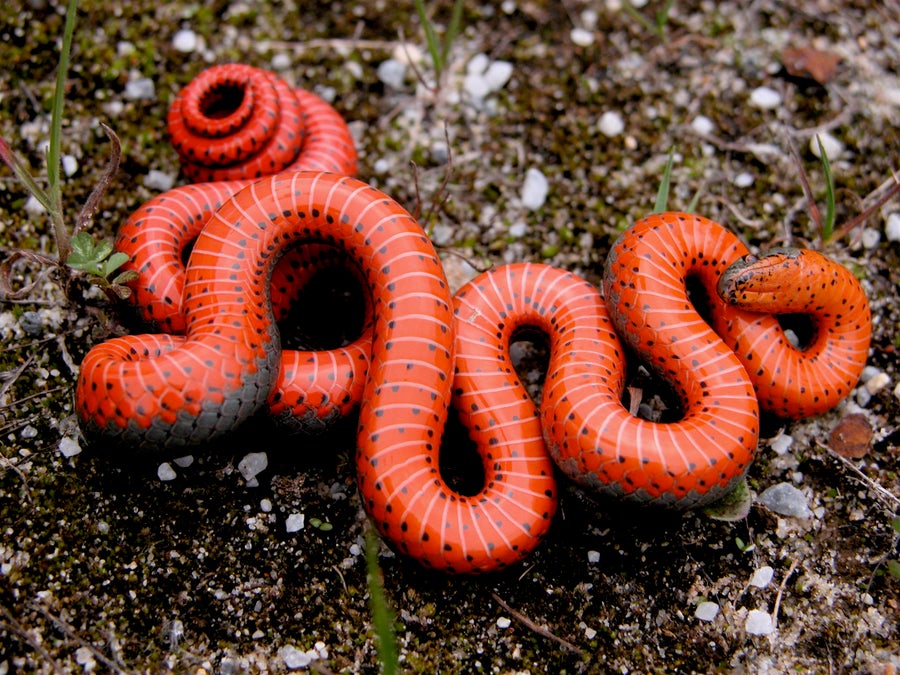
pixel 166 472
pixel 392 73
pixel 159 180
pixel 852 436
pixel 765 98
pixel 497 75
pixel 762 577
pixel 281 61
pixel 184 462
pixel 33 206
pixel 534 189
pixel 478 64
pixel 759 623
pixel 518 229
pixel 833 147
pixel 870 238
pixel 503 622
pixel 877 382
pixel 295 522
pixel 611 124
pixel 85 658
pixel 582 37
pixel 892 227
pixel 185 41
pixel 265 505
pixel 69 165
pixel 781 443
pixel 140 89
pixel 253 464
pixel 293 658
pixel 743 180
pixel 68 446
pixel 702 125
pixel 476 86
pixel 593 556
pixel 707 611
pixel 785 500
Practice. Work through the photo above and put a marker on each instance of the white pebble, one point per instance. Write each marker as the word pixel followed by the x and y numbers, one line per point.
pixel 281 61
pixel 706 611
pixel 765 98
pixel 702 125
pixel 265 505
pixel 497 74
pixel 293 658
pixel 392 73
pixel 518 229
pixel 759 623
pixel 534 189
pixel 833 147
pixel 611 124
pixel 781 443
pixel 85 658
pixel 140 89
pixel 253 464
pixel 69 165
pixel 184 462
pixel 582 37
pixel 892 227
pixel 870 237
pixel 589 633
pixel 68 446
pixel 125 48
pixel 476 86
pixel 593 556
pixel 877 382
pixel 295 522
pixel 743 180
pixel 381 165
pixel 762 577
pixel 786 500
pixel 185 40
pixel 478 64
pixel 33 206
pixel 503 622
pixel 897 391
pixel 166 472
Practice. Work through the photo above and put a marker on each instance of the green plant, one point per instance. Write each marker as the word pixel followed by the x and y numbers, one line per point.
pixel 382 615
pixel 826 225
pixel 439 49
pixel 76 250
pixel 658 25
pixel 662 195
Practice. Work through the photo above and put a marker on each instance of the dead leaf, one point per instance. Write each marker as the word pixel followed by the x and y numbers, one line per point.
pixel 810 63
pixel 851 436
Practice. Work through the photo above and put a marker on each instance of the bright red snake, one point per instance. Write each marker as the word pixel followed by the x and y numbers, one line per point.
pixel 425 347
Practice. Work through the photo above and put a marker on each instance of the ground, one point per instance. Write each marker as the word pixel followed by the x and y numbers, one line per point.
pixel 103 566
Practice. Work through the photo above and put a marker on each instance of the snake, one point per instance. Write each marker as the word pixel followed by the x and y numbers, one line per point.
pixel 231 125
pixel 424 352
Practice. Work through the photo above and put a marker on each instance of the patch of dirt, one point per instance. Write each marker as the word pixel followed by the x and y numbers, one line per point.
pixel 103 567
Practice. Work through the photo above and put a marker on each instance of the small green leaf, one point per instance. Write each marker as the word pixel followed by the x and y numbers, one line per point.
pixel 102 250
pixel 114 262
pixel 894 568
pixel 125 277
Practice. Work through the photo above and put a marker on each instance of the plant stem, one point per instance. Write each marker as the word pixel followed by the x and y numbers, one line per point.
pixel 54 189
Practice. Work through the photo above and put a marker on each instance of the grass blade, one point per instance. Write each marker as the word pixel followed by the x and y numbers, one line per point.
pixel 662 195
pixel 452 30
pixel 828 224
pixel 382 616
pixel 430 37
